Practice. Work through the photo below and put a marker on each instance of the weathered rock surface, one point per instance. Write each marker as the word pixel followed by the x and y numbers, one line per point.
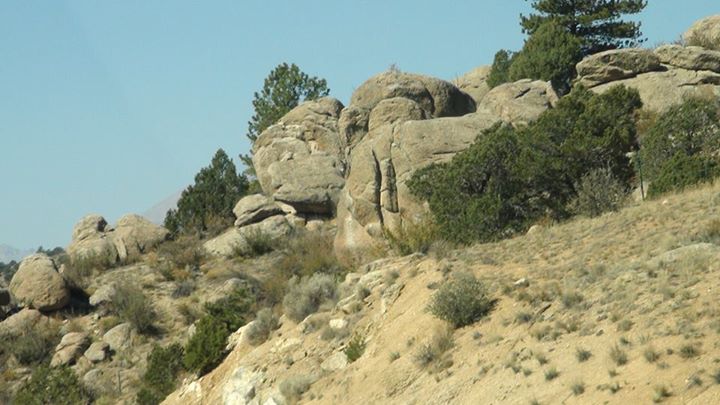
pixel 255 208
pixel 90 239
pixel 519 102
pixel 689 57
pixel 133 235
pixel 97 352
pixel 71 346
pixel 337 361
pixel 704 31
pixel 615 65
pixel 235 239
pixel 437 98
pixel 240 388
pixel 120 337
pixel 103 295
pixel 301 159
pixel 38 284
pixel 474 83
pixel 661 90
pixel 20 323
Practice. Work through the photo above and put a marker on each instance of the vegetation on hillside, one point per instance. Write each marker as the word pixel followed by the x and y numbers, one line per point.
pixel 561 33
pixel 205 208
pixel 512 177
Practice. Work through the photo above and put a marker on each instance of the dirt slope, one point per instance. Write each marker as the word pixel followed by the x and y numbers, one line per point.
pixel 640 284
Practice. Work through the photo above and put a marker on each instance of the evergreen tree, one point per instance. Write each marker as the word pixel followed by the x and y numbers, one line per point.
pixel 206 206
pixel 550 54
pixel 500 70
pixel 284 89
pixel 597 23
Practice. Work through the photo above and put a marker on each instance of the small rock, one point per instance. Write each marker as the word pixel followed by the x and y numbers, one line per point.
pixel 70 348
pixel 522 283
pixel 97 352
pixel 102 295
pixel 534 230
pixel 337 361
pixel 120 337
pixel 238 336
pixel 338 323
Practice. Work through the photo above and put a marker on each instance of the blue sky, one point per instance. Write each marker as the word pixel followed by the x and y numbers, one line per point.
pixel 111 106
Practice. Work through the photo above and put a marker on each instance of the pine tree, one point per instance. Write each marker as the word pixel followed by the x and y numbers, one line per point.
pixel 597 23
pixel 284 89
pixel 550 54
pixel 206 206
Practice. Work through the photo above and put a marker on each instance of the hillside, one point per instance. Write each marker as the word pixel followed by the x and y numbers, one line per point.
pixel 641 281
pixel 427 243
pixel 9 253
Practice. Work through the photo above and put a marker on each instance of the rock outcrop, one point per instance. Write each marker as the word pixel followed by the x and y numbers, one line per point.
pixel 133 235
pixel 704 31
pixel 663 77
pixel 255 208
pixel 71 347
pixel 21 322
pixel 38 284
pixel 404 134
pixel 236 239
pixel 300 160
pixel 474 83
pixel 616 64
pixel 519 102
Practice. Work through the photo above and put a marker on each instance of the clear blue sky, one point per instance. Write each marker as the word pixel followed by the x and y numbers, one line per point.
pixel 111 106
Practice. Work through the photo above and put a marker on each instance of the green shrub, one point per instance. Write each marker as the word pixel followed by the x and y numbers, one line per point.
pixel 292 388
pixel 160 378
pixel 57 386
pixel 512 177
pixel 549 54
pixel 34 346
pixel 131 304
pixel 355 348
pixel 691 128
pixel 306 295
pixel 206 349
pixel 184 252
pixel 500 70
pixel 265 322
pixel 598 192
pixel 413 236
pixel 234 310
pixel 258 243
pixel 205 208
pixel 682 171
pixel 461 301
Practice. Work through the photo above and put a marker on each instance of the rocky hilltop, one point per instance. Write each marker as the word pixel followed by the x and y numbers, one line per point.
pixel 614 309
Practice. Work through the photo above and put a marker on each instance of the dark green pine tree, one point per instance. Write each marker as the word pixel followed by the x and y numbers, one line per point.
pixel 284 89
pixel 597 23
pixel 206 206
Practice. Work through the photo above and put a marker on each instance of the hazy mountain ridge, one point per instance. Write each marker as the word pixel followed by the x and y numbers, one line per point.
pixel 9 253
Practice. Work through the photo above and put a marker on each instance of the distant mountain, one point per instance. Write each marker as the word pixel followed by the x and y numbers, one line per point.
pixel 9 253
pixel 156 214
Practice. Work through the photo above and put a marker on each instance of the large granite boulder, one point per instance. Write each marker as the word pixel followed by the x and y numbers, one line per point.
pixel 474 83
pixel 689 57
pixel 135 235
pixel 90 239
pixel 376 196
pixel 519 102
pixel 616 64
pixel 437 98
pixel 21 322
pixel 255 208
pixel 71 347
pixel 300 160
pixel 132 236
pixel 235 240
pixel 704 32
pixel 661 90
pixel 38 284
